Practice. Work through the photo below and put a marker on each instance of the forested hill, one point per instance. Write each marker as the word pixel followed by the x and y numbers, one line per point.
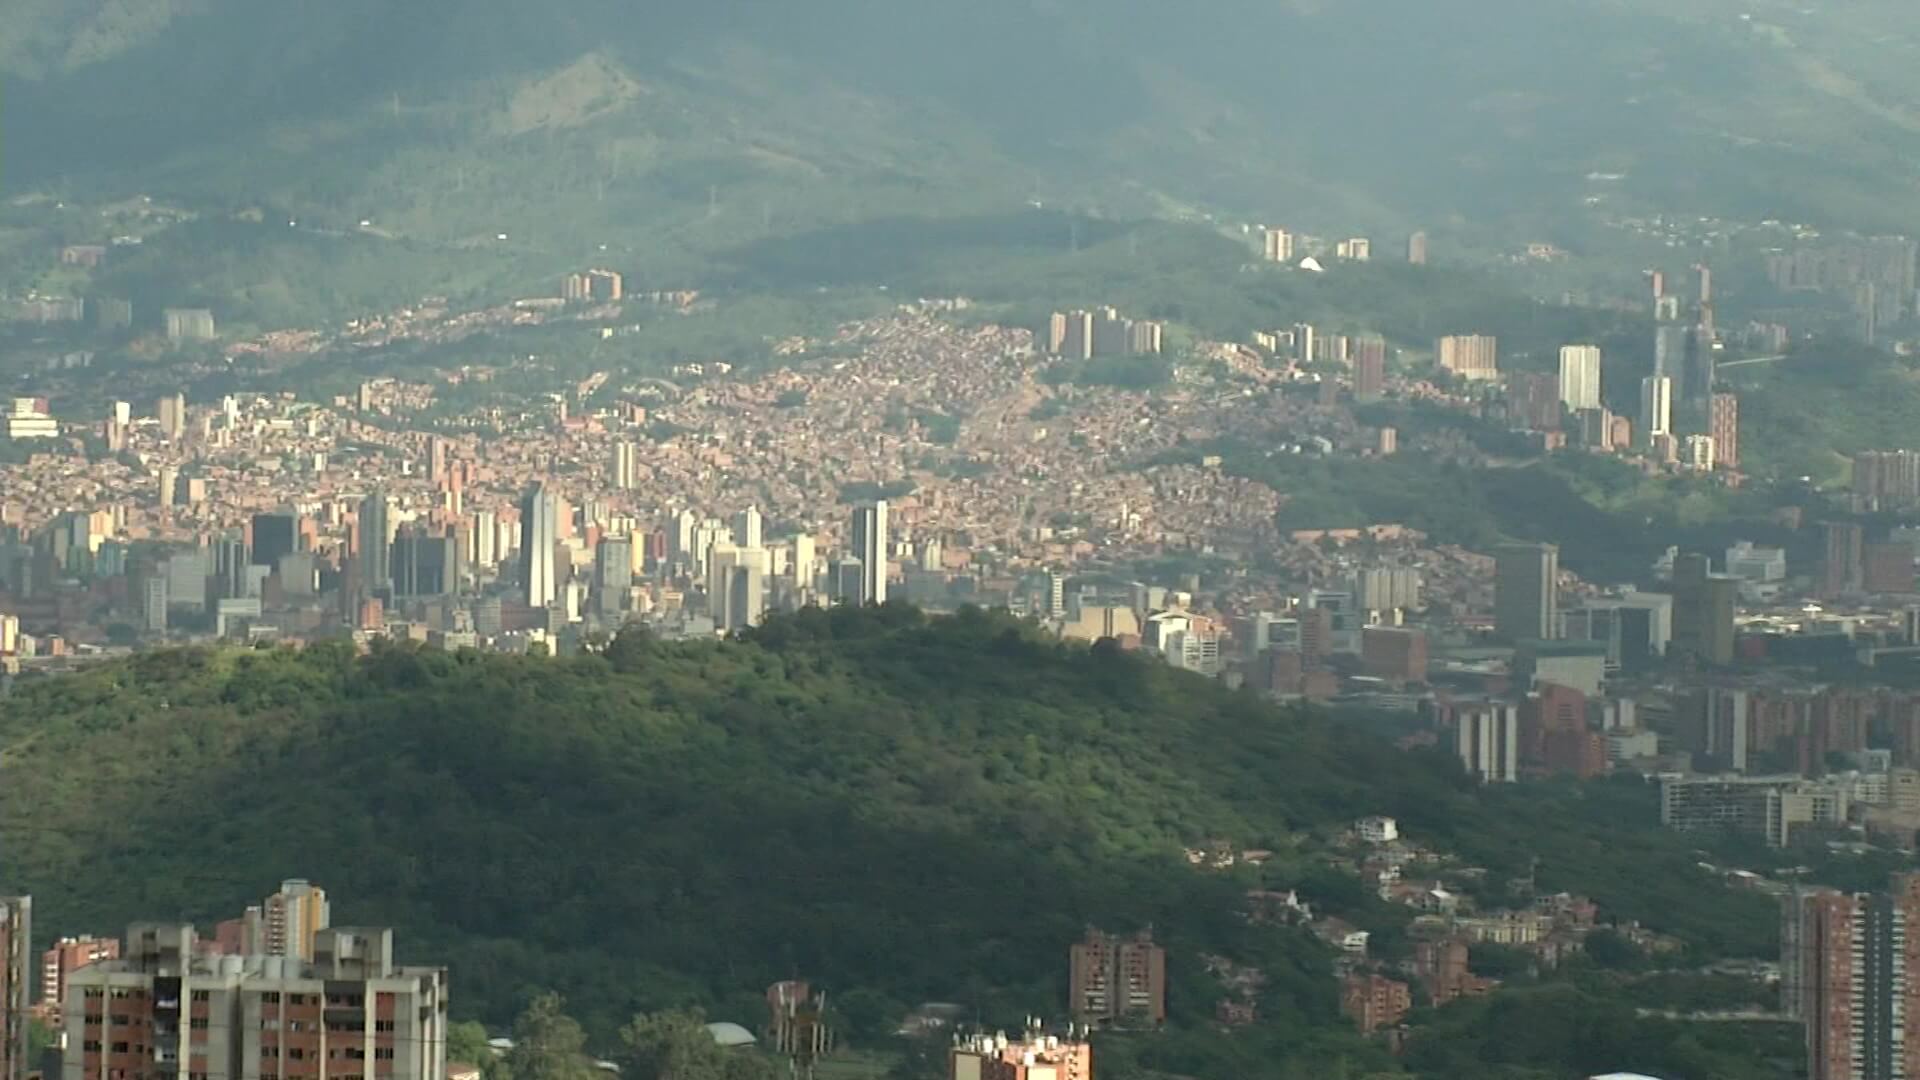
pixel 901 808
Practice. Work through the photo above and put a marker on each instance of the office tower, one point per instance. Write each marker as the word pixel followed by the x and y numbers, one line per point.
pixel 1487 738
pixel 1580 376
pixel 1369 367
pixel 1526 586
pixel 1703 610
pixel 1723 424
pixel 172 411
pixel 153 608
pixel 802 560
pixel 1118 981
pixel 1656 408
pixel 1394 653
pixel 1695 386
pixel 612 574
pixel 425 562
pixel 1843 571
pixel 349 1007
pixel 1277 245
pixel 870 547
pixel 372 537
pixel 626 462
pixel 16 984
pixel 1417 249
pixel 1469 356
pixel 539 541
pixel 1034 1056
pixel 274 535
pixel 1858 973
pixel 58 963
pixel 1670 350
pixel 748 527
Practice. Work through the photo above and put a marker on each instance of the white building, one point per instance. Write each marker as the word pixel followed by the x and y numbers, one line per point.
pixel 1580 376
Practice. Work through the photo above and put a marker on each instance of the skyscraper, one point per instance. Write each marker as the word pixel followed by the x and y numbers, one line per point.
pixel 612 574
pixel 748 527
pixel 1843 570
pixel 870 547
pixel 1526 600
pixel 1857 980
pixel 16 984
pixel 1417 249
pixel 172 412
pixel 539 540
pixel 1580 376
pixel 1669 350
pixel 1369 367
pixel 375 534
pixel 1703 610
pixel 293 916
pixel 1277 245
pixel 1656 408
pixel 274 536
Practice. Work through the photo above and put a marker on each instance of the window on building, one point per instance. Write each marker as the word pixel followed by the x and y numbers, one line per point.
pixel 271 997
pixel 296 999
pixel 95 993
pixel 383 1025
pixel 269 1051
pixel 198 1023
pixel 296 1053
pixel 383 1053
pixel 202 995
pixel 91 1046
pixel 119 1048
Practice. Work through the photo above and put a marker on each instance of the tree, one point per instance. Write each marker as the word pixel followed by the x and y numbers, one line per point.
pixel 467 1042
pixel 548 1044
pixel 676 1045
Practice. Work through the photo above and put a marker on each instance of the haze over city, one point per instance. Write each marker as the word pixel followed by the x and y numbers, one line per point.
pixel 1010 541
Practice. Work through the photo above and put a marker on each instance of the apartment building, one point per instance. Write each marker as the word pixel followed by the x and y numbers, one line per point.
pixel 167 1011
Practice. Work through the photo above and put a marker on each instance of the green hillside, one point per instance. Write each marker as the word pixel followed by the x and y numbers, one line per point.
pixel 901 809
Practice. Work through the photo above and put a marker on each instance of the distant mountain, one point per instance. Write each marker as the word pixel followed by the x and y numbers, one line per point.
pixel 706 124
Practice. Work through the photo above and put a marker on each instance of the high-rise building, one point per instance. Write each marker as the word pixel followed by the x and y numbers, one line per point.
pixel 1886 568
pixel 1703 610
pixel 1369 367
pixel 1670 350
pixel 1723 425
pixel 748 527
pixel 871 548
pixel 168 1009
pixel 1470 356
pixel 1277 245
pixel 66 956
pixel 1358 249
pixel 626 461
pixel 1487 738
pixel 425 562
pixel 539 548
pixel 1118 980
pixel 1417 249
pixel 1526 600
pixel 1843 571
pixel 172 412
pixel 1580 376
pixel 292 917
pixel 1656 408
pixel 1374 1002
pixel 372 543
pixel 274 535
pixel 612 574
pixel 1857 964
pixel 16 984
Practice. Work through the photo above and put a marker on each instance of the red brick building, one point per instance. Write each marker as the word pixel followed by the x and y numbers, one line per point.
pixel 1374 1002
